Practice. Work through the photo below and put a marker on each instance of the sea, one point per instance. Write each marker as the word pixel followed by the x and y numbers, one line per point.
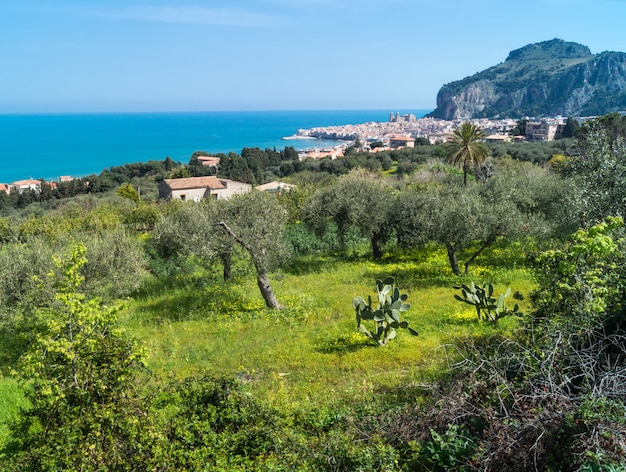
pixel 51 145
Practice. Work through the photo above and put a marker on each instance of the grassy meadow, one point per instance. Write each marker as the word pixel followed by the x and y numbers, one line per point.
pixel 311 353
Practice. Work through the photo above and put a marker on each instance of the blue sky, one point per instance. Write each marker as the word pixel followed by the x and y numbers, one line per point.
pixel 162 55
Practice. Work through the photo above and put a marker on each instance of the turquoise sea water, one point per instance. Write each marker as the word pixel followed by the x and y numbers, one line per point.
pixel 49 145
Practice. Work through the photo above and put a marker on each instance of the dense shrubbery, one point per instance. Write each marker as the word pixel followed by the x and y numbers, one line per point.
pixel 556 387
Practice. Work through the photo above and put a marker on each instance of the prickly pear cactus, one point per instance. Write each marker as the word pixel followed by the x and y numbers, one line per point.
pixel 488 308
pixel 386 316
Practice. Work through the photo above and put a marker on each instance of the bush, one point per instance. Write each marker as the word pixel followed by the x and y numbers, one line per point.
pixel 219 425
pixel 80 377
pixel 116 265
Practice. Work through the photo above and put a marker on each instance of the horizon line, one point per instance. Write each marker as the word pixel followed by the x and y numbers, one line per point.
pixel 234 110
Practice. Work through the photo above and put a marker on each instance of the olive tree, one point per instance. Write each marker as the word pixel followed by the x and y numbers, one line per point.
pixel 600 172
pixel 188 229
pixel 210 230
pixel 256 221
pixel 358 200
pixel 454 217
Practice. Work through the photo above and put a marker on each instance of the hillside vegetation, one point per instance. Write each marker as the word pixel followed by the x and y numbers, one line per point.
pixel 138 335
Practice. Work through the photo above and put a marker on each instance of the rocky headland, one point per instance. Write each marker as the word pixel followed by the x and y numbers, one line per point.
pixel 543 79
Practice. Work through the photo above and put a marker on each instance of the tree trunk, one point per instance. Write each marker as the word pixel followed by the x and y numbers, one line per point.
pixel 377 246
pixel 263 282
pixel 454 262
pixel 262 277
pixel 227 262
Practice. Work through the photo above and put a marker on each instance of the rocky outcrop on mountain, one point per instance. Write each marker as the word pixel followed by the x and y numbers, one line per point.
pixel 543 79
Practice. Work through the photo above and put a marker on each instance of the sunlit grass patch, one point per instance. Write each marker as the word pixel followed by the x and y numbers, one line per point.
pixel 11 399
pixel 311 351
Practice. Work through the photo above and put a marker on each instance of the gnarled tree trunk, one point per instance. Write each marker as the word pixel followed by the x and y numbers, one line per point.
pixel 263 280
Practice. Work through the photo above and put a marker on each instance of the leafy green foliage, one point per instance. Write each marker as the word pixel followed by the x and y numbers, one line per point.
pixel 599 170
pixel 488 308
pixel 558 385
pixel 218 423
pixel 358 200
pixel 386 315
pixel 444 452
pixel 79 376
pixel 126 190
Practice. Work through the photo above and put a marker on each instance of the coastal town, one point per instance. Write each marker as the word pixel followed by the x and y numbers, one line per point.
pixel 398 132
pixel 403 130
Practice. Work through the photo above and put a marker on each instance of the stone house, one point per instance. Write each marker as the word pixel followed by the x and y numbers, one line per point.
pixel 197 188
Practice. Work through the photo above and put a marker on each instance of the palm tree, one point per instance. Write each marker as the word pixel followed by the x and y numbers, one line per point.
pixel 467 149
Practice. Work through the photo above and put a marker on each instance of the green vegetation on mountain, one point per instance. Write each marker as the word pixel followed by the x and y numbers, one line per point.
pixel 544 79
pixel 134 336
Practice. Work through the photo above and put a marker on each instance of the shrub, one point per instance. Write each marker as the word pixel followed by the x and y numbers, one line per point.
pixel 80 379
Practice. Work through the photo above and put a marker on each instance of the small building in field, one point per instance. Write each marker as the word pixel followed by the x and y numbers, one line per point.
pixel 275 187
pixel 28 184
pixel 197 188
pixel 333 154
pixel 497 138
pixel 209 161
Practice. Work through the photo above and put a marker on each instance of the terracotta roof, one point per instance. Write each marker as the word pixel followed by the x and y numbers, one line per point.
pixel 211 182
pixel 26 182
pixel 321 154
pixel 209 160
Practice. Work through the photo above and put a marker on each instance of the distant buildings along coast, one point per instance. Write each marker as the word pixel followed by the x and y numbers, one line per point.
pixel 398 132
pixel 20 186
pixel 435 130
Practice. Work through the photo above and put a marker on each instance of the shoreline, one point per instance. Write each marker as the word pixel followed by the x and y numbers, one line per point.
pixel 50 145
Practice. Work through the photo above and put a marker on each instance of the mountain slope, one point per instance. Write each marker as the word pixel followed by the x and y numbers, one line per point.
pixel 544 79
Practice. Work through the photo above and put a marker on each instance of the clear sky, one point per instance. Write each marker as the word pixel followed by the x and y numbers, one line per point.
pixel 179 55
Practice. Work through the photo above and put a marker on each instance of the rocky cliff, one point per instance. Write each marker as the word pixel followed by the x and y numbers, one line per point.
pixel 544 79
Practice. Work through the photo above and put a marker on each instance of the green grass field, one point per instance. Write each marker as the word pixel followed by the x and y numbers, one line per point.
pixel 311 352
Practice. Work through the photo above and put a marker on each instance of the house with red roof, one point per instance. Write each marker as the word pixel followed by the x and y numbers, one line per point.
pixel 197 188
pixel 28 184
pixel 210 161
